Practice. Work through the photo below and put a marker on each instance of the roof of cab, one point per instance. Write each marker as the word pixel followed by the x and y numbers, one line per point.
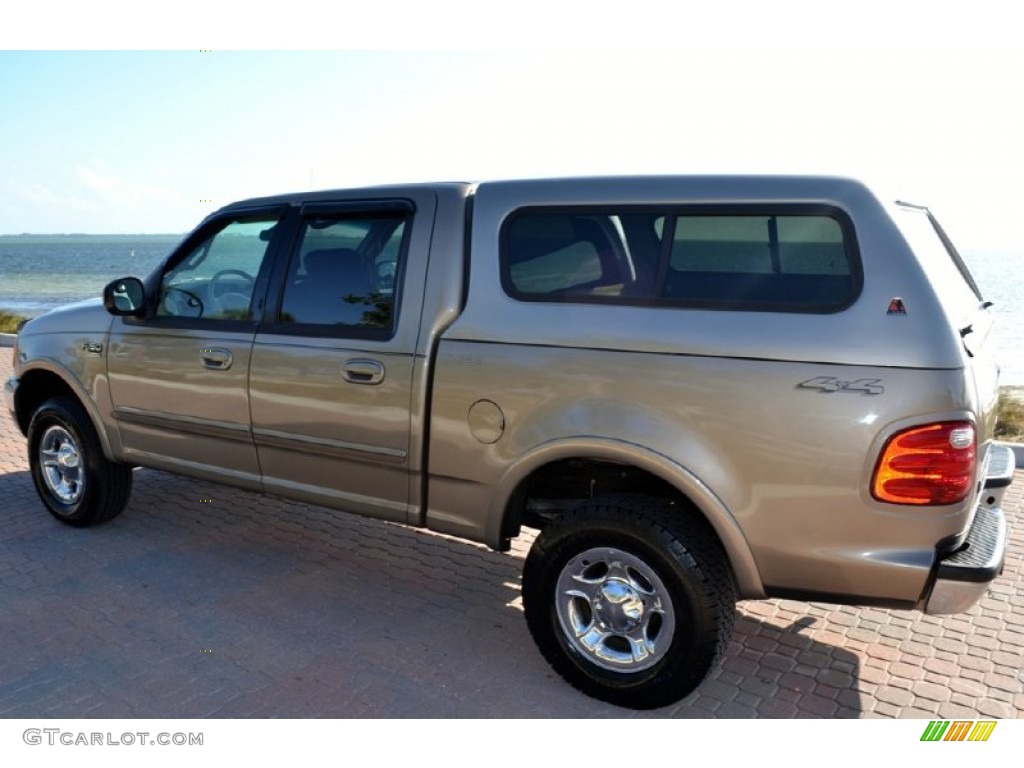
pixel 328 195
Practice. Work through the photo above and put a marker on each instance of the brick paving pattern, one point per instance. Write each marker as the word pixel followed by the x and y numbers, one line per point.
pixel 203 601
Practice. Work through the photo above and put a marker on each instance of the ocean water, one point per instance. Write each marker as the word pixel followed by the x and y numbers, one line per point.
pixel 40 272
pixel 1000 276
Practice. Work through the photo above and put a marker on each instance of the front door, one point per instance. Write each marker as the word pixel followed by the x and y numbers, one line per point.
pixel 179 377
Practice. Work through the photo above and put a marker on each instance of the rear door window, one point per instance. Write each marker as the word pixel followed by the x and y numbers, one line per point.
pixel 343 277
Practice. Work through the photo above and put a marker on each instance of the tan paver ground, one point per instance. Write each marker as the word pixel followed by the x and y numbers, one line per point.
pixel 202 601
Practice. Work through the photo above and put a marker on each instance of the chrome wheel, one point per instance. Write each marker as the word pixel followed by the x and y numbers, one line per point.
pixel 60 459
pixel 78 484
pixel 630 599
pixel 614 610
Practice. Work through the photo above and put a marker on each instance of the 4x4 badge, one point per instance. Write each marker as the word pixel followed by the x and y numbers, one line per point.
pixel 832 384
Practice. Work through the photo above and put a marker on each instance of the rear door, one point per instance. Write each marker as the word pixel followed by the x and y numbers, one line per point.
pixel 333 364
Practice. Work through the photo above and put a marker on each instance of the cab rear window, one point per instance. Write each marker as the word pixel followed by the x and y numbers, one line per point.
pixel 782 258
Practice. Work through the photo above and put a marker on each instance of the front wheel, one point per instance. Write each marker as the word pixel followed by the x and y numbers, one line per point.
pixel 630 600
pixel 76 482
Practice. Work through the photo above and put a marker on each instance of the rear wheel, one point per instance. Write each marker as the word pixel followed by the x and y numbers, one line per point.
pixel 76 482
pixel 629 600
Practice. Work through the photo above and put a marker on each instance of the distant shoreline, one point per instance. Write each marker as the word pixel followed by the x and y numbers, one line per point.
pixel 59 235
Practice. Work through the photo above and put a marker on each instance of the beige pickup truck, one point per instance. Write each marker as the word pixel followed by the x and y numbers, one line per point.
pixel 699 389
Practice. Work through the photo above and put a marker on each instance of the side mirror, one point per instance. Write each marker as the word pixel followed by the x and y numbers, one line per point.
pixel 125 296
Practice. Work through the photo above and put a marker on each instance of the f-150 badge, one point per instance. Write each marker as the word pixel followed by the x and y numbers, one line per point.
pixel 832 384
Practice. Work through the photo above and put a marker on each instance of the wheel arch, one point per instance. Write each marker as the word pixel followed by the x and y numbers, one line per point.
pixel 507 502
pixel 39 384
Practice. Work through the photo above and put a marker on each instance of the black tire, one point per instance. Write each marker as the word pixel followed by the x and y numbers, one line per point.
pixel 657 579
pixel 76 482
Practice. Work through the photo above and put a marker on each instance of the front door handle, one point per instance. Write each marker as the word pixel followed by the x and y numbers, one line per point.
pixel 363 372
pixel 215 358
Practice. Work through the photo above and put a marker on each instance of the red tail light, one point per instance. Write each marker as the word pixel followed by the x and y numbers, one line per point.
pixel 933 464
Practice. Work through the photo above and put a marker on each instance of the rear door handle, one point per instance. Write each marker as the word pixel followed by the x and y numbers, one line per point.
pixel 363 372
pixel 215 358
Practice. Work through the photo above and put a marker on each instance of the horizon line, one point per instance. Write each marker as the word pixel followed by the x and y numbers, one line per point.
pixel 92 234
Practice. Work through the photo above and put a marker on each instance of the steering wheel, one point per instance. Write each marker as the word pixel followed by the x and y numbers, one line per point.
pixel 230 303
pixel 218 278
pixel 177 302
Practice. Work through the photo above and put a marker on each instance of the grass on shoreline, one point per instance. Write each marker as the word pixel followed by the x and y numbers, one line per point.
pixel 10 323
pixel 1011 415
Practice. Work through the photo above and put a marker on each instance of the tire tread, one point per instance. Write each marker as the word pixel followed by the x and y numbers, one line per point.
pixel 686 541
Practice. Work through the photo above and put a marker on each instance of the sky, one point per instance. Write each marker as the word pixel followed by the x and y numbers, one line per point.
pixel 150 141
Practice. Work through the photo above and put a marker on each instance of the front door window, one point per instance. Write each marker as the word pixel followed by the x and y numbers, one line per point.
pixel 215 281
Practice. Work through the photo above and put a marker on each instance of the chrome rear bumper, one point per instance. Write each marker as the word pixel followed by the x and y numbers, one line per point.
pixel 962 578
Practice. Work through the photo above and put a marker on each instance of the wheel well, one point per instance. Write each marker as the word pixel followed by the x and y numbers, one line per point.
pixel 555 488
pixel 34 389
